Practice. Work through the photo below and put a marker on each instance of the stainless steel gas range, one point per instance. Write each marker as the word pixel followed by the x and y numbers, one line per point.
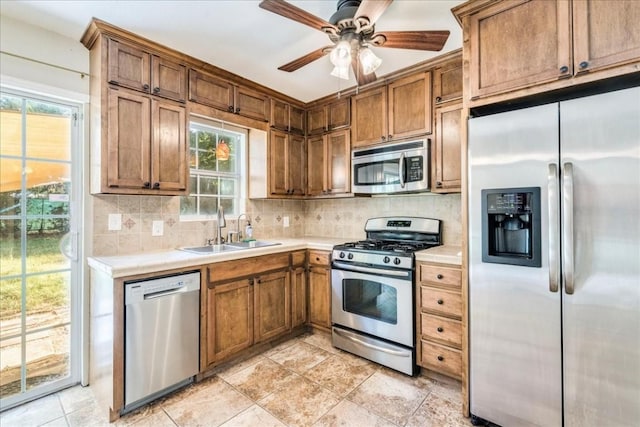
pixel 373 292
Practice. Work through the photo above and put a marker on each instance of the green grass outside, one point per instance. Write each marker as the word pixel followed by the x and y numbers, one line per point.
pixel 45 292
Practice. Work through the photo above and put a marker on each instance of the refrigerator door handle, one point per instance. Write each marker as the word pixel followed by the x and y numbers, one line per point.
pixel 567 227
pixel 554 246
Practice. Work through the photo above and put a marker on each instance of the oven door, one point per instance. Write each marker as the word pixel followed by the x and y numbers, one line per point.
pixel 377 302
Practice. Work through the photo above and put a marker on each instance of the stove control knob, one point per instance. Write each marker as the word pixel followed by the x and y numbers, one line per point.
pixel 396 261
pixel 341 255
pixel 350 256
pixel 386 260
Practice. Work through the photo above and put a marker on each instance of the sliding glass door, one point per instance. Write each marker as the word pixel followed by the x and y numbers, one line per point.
pixel 39 268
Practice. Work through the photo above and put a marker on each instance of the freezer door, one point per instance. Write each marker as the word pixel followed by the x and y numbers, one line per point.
pixel 601 141
pixel 514 316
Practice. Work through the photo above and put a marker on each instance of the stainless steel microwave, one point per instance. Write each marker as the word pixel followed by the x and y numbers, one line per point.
pixel 401 167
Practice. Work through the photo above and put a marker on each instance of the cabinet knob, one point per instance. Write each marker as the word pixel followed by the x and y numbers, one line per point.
pixel 259 281
pixel 317 259
pixel 438 184
pixel 156 89
pixel 156 185
pixel 438 98
pixel 583 65
pixel 237 110
pixel 145 86
pixel 440 358
pixel 440 329
pixel 146 184
pixel 440 302
pixel 390 137
pixel 384 138
pixel 564 69
pixel 250 282
pixel 439 276
pixel 230 109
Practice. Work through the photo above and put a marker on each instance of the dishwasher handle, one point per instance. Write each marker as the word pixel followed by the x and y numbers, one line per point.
pixel 165 293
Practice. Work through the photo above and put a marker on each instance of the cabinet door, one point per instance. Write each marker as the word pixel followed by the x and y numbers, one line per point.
pixel 168 79
pixel 229 319
pixel 128 145
pixel 369 111
pixel 339 114
pixel 249 103
pixel 317 120
pixel 272 302
pixel 517 44
pixel 298 296
pixel 410 106
pixel 296 165
pixel 319 296
pixel 316 181
pixel 297 118
pixel 169 147
pixel 447 82
pixel 209 90
pixel 278 180
pixel 279 115
pixel 338 162
pixel 128 66
pixel 447 150
pixel 604 35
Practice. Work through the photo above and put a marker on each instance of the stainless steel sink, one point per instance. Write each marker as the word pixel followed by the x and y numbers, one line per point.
pixel 228 247
pixel 252 244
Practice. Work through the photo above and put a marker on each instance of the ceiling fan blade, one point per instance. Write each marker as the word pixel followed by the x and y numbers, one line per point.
pixel 361 77
pixel 372 9
pixel 418 40
pixel 306 59
pixel 282 8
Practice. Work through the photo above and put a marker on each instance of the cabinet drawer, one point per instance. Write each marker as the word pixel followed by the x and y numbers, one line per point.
pixel 441 359
pixel 247 267
pixel 444 276
pixel 319 257
pixel 298 258
pixel 441 329
pixel 441 302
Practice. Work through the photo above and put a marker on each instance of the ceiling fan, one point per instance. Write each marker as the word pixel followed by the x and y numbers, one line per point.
pixel 351 29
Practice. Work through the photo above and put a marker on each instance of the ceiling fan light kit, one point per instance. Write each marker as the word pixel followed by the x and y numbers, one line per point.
pixel 351 29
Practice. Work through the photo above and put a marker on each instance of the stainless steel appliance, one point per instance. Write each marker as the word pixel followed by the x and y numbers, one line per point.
pixel 372 290
pixel 162 336
pixel 391 168
pixel 556 342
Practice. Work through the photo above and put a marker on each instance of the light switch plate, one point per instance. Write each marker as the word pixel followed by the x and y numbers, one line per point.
pixel 157 228
pixel 285 221
pixel 115 222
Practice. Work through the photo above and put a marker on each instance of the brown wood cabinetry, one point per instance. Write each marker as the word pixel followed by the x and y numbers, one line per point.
pixel 135 68
pixel 439 319
pixel 272 305
pixel 221 94
pixel 447 82
pixel 287 164
pixel 329 117
pixel 328 165
pixel 298 288
pixel 446 149
pixel 319 289
pixel 520 47
pixel 287 117
pixel 399 110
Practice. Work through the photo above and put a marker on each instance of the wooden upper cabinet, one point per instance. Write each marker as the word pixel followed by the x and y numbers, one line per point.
pixel 287 161
pixel 410 106
pixel 168 147
pixel 316 166
pixel 446 149
pixel 287 117
pixel 447 82
pixel 134 68
pixel 317 120
pixel 605 34
pixel 221 94
pixel 328 165
pixel 329 117
pixel 369 121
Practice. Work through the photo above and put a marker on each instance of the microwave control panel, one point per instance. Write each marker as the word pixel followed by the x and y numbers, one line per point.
pixel 414 168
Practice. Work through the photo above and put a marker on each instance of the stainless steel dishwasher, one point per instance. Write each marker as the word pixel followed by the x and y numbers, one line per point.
pixel 162 336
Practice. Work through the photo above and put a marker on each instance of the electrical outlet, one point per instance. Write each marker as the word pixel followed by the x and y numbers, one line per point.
pixel 157 228
pixel 285 221
pixel 115 222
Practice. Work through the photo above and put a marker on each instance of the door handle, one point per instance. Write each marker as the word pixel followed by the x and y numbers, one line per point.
pixel 554 229
pixel 401 170
pixel 567 228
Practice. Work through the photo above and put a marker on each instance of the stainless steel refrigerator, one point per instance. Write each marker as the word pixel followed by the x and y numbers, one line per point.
pixel 554 263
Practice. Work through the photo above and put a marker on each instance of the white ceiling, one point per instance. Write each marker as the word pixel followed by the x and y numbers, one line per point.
pixel 238 36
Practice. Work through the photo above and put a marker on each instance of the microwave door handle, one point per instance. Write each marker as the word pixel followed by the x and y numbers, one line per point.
pixel 401 169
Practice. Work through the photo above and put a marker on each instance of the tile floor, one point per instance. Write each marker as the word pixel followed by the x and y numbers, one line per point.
pixel 301 382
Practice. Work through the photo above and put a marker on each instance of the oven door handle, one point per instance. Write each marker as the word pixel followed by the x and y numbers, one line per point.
pixel 371 346
pixel 371 270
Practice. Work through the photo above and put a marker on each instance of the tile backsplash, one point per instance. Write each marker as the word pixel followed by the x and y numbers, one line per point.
pixel 344 217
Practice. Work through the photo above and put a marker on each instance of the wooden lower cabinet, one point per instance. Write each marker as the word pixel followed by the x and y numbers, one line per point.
pixel 439 319
pixel 272 305
pixel 298 288
pixel 320 289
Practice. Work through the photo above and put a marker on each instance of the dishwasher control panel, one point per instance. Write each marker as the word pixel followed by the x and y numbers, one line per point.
pixel 136 291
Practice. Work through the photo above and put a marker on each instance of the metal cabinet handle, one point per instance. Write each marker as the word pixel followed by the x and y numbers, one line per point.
pixel 237 110
pixel 440 358
pixel 554 228
pixel 156 185
pixel 145 86
pixel 440 302
pixel 583 65
pixel 439 276
pixel 567 228
pixel 146 184
pixel 230 109
pixel 438 98
pixel 564 69
pixel 440 329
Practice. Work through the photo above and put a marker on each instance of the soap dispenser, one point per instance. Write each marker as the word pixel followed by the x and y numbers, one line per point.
pixel 248 231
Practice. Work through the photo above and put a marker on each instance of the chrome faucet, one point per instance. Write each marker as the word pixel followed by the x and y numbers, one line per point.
pixel 221 224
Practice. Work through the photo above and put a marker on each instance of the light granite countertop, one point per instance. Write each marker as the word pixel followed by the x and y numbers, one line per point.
pixel 150 262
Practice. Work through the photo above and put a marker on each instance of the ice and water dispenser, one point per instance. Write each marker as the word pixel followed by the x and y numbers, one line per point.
pixel 511 226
